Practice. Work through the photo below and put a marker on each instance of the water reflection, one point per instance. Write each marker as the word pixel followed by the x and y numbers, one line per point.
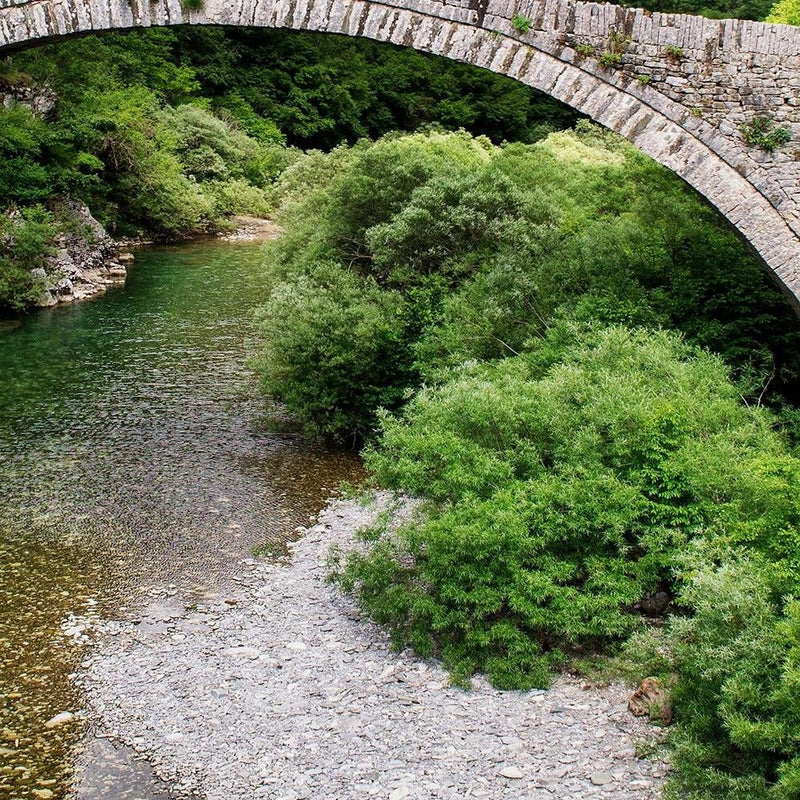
pixel 134 453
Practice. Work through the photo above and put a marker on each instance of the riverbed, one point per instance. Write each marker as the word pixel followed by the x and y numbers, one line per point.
pixel 137 460
pixel 166 627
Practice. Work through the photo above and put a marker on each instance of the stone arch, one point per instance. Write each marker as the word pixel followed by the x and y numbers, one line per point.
pixel 705 78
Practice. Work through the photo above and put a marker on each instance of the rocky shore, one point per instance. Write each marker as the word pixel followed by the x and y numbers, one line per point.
pixel 86 260
pixel 276 688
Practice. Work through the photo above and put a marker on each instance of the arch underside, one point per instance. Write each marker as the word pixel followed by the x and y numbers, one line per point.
pixel 658 126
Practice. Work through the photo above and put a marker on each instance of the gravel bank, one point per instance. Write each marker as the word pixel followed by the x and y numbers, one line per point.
pixel 278 690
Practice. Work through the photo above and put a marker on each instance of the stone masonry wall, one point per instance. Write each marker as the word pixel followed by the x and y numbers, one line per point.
pixel 680 88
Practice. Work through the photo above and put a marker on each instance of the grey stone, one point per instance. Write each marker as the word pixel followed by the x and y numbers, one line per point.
pixel 511 772
pixel 60 719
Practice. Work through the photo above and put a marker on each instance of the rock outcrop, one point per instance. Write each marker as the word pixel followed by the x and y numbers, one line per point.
pixel 86 260
pixel 41 100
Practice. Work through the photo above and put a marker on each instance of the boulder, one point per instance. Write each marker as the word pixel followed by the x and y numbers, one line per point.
pixel 652 700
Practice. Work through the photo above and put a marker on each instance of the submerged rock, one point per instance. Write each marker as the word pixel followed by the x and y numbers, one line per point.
pixel 60 719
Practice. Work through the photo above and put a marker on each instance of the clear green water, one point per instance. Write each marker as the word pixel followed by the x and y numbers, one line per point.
pixel 134 454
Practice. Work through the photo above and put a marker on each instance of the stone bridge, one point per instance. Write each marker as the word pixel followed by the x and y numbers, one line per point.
pixel 680 88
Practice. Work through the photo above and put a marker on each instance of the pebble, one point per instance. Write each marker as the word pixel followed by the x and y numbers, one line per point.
pixel 290 693
pixel 60 719
pixel 511 772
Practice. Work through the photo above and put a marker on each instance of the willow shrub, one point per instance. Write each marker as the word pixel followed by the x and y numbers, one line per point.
pixel 336 350
pixel 736 657
pixel 563 485
pixel 488 246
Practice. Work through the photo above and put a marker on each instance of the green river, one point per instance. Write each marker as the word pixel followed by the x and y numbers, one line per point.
pixel 136 458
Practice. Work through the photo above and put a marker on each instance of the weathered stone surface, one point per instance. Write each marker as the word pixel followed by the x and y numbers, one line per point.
pixel 84 264
pixel 681 91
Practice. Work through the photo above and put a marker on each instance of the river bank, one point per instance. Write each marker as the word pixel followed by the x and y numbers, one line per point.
pixel 135 453
pixel 87 261
pixel 276 688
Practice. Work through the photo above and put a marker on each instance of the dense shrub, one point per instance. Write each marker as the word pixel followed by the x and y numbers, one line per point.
pixel 23 143
pixel 336 351
pixel 321 90
pixel 565 483
pixel 786 12
pixel 489 246
pixel 168 132
pixel 716 9
pixel 25 240
pixel 736 657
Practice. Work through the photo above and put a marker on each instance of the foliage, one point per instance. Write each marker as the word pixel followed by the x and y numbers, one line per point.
pixel 617 44
pixel 715 9
pixel 335 350
pixel 24 143
pixel 566 469
pixel 321 90
pixel 168 132
pixel 489 246
pixel 737 657
pixel 610 59
pixel 762 132
pixel 520 23
pixel 674 52
pixel 565 484
pixel 25 241
pixel 123 141
pixel 786 12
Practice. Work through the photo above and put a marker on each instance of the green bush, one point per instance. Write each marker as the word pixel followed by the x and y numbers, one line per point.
pixel 235 196
pixel 786 12
pixel 715 9
pixel 489 246
pixel 25 241
pixel 23 142
pixel 736 655
pixel 335 351
pixel 322 90
pixel 564 485
pixel 521 24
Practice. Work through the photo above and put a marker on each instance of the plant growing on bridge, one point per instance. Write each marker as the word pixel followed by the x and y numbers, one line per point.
pixel 762 132
pixel 192 5
pixel 520 23
pixel 674 52
pixel 618 43
pixel 584 49
pixel 610 59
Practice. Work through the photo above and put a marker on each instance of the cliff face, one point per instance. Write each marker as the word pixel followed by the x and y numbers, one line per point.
pixel 86 260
